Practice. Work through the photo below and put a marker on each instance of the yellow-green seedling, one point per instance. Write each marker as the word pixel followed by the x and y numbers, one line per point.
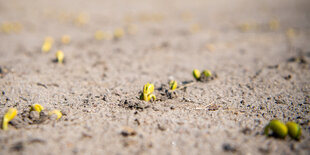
pixel 6 27
pixel 55 112
pixel 60 56
pixel 247 26
pixel 47 44
pixel 147 92
pixel 99 35
pixel 36 107
pixel 207 73
pixel 210 47
pixel 151 97
pixel 196 74
pixel 173 84
pixel 274 24
pixel 290 33
pixel 294 130
pixel 10 27
pixel 9 115
pixel 65 39
pixel 195 28
pixel 147 98
pixel 148 88
pixel 81 19
pixel 118 33
pixel 278 129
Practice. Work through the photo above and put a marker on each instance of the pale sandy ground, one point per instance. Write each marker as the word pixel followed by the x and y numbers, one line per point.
pixel 226 115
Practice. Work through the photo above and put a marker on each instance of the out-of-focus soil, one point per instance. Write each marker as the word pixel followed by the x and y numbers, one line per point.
pixel 259 50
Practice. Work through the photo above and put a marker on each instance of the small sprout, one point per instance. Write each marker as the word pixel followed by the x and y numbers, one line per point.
pixel 65 39
pixel 207 73
pixel 196 74
pixel 36 107
pixel 151 97
pixel 148 88
pixel 210 47
pixel 147 98
pixel 173 84
pixel 55 112
pixel 10 27
pixel 6 27
pixel 60 56
pixel 118 33
pixel 274 24
pixel 11 113
pixel 99 35
pixel 294 130
pixel 81 19
pixel 47 44
pixel 247 26
pixel 147 93
pixel 290 33
pixel 195 28
pixel 278 128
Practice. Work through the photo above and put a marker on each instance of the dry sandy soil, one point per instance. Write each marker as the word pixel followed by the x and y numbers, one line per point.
pixel 263 74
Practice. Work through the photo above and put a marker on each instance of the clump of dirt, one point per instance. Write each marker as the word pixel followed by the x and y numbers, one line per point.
pixel 128 131
pixel 166 93
pixel 134 104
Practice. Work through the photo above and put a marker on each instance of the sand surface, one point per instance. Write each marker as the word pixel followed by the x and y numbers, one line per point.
pixel 260 51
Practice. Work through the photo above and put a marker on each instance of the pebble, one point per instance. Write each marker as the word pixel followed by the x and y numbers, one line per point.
pixel 229 148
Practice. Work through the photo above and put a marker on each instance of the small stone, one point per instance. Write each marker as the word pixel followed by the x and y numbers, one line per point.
pixel 127 131
pixel 246 131
pixel 228 148
pixel 161 127
pixel 288 77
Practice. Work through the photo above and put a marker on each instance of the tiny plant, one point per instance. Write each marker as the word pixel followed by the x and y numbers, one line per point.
pixel 278 129
pixel 207 73
pixel 274 24
pixel 196 74
pixel 290 33
pixel 294 130
pixel 81 19
pixel 173 84
pixel 118 33
pixel 55 112
pixel 65 39
pixel 36 107
pixel 60 56
pixel 9 115
pixel 99 35
pixel 47 44
pixel 147 93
